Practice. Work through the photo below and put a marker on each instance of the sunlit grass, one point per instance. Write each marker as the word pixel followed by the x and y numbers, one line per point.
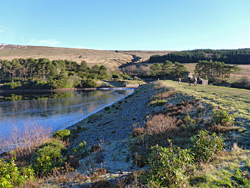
pixel 230 169
pixel 237 101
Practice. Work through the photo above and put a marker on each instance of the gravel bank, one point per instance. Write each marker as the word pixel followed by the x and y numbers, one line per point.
pixel 111 128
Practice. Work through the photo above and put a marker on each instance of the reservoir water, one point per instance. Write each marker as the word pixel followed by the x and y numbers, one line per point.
pixel 52 110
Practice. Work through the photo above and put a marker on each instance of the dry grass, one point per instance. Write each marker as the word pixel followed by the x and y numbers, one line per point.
pixel 24 142
pixel 138 131
pixel 162 125
pixel 67 175
pixel 92 57
pixel 98 172
pixel 111 59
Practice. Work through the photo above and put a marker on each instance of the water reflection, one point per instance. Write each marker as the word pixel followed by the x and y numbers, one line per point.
pixel 52 110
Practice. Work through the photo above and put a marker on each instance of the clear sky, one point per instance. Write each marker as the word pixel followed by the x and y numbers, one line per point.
pixel 127 24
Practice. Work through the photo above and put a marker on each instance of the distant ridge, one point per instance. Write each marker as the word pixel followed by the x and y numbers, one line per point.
pixel 110 58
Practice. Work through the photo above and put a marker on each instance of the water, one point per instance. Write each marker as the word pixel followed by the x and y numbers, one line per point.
pixel 52 111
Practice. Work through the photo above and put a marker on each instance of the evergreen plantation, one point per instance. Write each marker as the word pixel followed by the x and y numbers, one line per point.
pixel 240 56
pixel 43 73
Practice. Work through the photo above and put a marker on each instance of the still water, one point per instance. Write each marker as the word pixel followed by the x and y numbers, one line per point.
pixel 52 111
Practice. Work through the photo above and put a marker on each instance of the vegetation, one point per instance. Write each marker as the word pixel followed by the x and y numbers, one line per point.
pixel 167 70
pixel 62 134
pixel 215 70
pixel 205 146
pixel 43 73
pixel 222 117
pixel 243 83
pixel 12 176
pixel 168 166
pixel 195 155
pixel 218 97
pixel 191 125
pixel 47 157
pixel 240 56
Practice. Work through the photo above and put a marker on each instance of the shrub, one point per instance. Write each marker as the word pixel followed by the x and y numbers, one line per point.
pixel 89 83
pixel 162 125
pixel 81 149
pixel 12 176
pixel 244 82
pixel 62 134
pixel 47 157
pixel 168 166
pixel 190 122
pixel 15 85
pixel 222 117
pixel 205 146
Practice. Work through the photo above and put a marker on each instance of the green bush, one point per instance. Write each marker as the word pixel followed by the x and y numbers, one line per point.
pixel 81 149
pixel 13 85
pixel 62 134
pixel 57 84
pixel 222 117
pixel 168 166
pixel 204 146
pixel 47 157
pixel 12 176
pixel 89 83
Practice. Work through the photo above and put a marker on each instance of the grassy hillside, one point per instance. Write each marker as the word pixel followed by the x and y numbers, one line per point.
pixel 111 59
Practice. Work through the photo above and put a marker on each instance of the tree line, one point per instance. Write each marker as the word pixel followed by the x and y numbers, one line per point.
pixel 215 70
pixel 43 73
pixel 239 56
pixel 164 70
pixel 167 70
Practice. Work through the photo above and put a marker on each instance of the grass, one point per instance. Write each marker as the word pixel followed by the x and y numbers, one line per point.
pixel 110 59
pixel 24 142
pixel 218 96
pixel 191 109
pixel 230 169
pixel 235 101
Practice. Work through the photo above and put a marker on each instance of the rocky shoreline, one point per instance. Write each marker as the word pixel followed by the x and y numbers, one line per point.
pixel 111 129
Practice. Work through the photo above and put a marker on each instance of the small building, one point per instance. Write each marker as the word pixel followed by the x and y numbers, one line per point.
pixel 203 81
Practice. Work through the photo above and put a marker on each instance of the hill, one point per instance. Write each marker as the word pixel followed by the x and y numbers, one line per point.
pixel 111 59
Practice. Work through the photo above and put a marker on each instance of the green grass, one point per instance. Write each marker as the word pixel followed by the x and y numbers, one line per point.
pixel 237 101
pixel 228 170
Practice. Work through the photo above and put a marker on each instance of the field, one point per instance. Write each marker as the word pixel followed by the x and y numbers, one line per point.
pixel 236 101
pixel 111 59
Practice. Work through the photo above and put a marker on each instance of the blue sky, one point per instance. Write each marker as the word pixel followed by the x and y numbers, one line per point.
pixel 127 24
